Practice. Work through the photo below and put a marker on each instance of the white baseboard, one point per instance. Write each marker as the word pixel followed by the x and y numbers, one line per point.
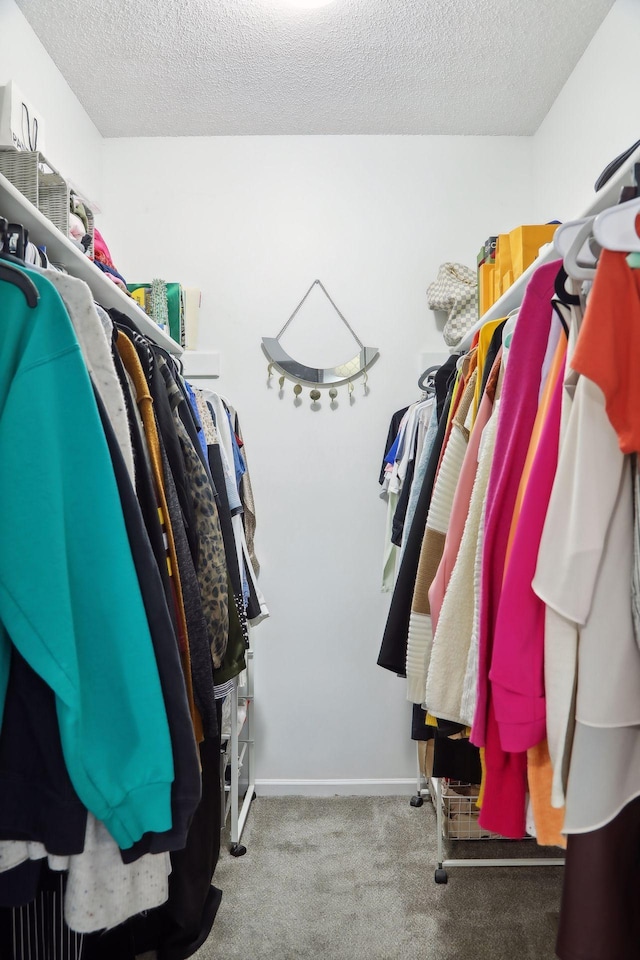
pixel 340 788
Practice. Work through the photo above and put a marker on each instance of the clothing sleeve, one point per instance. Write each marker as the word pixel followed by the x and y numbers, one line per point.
pixel 70 600
pixel 585 489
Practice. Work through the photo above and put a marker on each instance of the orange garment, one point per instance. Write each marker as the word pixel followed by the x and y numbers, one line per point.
pixel 608 347
pixel 144 400
pixel 469 365
pixel 548 820
pixel 483 779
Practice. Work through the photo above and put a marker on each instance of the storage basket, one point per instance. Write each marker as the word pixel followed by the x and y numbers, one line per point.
pixel 53 200
pixel 460 813
pixel 21 169
pixel 43 186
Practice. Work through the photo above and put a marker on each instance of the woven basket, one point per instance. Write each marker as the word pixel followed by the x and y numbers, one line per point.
pixel 53 200
pixel 21 169
pixel 43 186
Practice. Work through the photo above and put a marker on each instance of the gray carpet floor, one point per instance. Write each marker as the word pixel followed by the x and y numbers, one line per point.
pixel 352 879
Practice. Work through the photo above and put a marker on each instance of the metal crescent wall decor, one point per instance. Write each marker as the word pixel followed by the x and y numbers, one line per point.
pixel 332 377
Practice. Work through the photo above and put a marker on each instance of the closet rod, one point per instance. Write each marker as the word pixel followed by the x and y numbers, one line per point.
pixel 62 251
pixel 510 300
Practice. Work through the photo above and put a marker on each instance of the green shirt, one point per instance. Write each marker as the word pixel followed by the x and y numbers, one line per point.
pixel 70 599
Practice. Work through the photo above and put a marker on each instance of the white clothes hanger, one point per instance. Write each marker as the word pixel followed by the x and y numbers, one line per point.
pixel 574 268
pixel 566 234
pixel 617 227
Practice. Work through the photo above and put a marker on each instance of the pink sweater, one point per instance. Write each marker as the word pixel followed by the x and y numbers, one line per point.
pixel 517 666
pixel 503 808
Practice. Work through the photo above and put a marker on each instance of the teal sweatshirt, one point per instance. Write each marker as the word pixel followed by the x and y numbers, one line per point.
pixel 69 596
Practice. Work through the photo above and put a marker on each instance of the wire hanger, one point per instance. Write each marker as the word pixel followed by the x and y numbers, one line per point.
pixel 14 275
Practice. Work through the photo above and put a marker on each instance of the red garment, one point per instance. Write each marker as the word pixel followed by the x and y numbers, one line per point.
pixel 608 347
pixel 503 807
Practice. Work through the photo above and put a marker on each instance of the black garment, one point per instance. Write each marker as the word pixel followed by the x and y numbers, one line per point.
pixel 254 609
pixel 193 902
pixel 444 379
pixel 173 449
pixel 234 658
pixel 183 405
pixel 185 790
pixel 19 886
pixel 615 165
pixel 456 759
pixel 181 925
pixel 397 525
pixel 37 799
pixel 393 651
pixel 599 917
pixel 224 512
pixel 394 426
pixel 238 631
pixel 164 419
pixel 492 352
pixel 419 728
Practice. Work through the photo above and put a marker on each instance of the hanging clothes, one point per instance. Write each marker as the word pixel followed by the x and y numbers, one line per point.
pixel 115 632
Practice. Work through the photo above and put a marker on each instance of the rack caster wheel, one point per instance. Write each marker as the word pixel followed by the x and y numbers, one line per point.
pixel 254 797
pixel 441 876
pixel 416 801
pixel 237 850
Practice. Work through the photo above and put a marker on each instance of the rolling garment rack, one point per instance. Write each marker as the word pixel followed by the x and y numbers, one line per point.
pixel 607 196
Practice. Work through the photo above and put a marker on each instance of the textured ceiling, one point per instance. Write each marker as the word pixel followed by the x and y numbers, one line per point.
pixel 212 67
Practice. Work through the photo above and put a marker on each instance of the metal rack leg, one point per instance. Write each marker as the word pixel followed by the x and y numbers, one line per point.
pixel 249 750
pixel 236 849
pixel 417 800
pixel 441 875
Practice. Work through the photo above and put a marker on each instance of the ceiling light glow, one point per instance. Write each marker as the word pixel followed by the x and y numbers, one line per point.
pixel 307 4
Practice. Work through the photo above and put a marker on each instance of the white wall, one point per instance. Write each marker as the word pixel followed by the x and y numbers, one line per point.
pixel 596 117
pixel 74 145
pixel 252 221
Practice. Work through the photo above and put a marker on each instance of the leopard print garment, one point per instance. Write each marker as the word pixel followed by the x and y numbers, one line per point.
pixel 211 564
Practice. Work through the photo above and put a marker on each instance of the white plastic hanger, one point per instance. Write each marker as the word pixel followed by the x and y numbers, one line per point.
pixel 566 234
pixel 615 228
pixel 572 264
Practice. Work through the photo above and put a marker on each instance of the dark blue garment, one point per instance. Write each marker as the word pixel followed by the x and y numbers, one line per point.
pixel 106 269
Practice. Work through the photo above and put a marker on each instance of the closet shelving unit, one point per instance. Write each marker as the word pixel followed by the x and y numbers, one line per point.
pixel 64 253
pixel 607 196
pixel 238 754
